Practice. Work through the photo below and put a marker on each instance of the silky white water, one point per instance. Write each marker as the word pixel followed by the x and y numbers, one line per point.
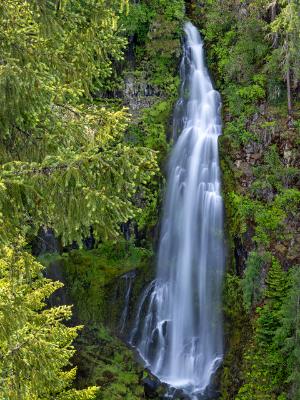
pixel 178 325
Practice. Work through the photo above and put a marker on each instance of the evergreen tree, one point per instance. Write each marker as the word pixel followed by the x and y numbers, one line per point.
pixel 288 334
pixel 64 164
pixel 264 363
pixel 64 160
pixel 286 27
pixel 277 283
pixel 35 344
pixel 269 315
pixel 251 283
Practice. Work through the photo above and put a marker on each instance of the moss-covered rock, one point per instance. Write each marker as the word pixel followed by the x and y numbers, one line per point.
pixel 104 361
pixel 95 284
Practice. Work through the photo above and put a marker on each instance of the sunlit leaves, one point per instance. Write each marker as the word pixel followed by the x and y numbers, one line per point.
pixel 64 161
pixel 35 344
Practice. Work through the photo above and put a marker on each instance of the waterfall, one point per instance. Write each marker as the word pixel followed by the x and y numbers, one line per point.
pixel 178 326
pixel 129 279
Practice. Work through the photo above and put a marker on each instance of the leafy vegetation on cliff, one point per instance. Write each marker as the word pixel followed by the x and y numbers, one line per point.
pixel 151 87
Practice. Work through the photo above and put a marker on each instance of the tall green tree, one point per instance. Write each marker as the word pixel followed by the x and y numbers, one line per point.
pixel 64 163
pixel 64 160
pixel 35 344
pixel 286 27
pixel 287 335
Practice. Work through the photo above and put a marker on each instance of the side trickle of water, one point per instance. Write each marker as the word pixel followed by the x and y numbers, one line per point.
pixel 178 325
pixel 129 279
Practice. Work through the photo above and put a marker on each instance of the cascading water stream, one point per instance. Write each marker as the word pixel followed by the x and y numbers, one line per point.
pixel 178 325
pixel 129 279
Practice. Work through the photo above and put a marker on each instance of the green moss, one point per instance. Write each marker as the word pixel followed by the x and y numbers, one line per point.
pixel 95 287
pixel 104 361
pixel 90 275
pixel 237 333
pixel 49 258
pixel 232 220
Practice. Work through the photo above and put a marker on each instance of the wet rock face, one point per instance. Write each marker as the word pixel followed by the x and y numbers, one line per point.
pixel 267 130
pixel 122 297
pixel 151 385
pixel 130 230
pixel 288 251
pixel 240 254
pixel 45 242
pixel 56 272
pixel 139 94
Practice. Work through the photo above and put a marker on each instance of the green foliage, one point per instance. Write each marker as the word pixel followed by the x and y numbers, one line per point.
pixel 265 371
pixel 266 218
pixel 64 161
pixel 269 221
pixel 245 42
pixel 232 305
pixel 237 129
pixel 137 21
pixel 285 28
pixel 154 125
pixel 246 55
pixel 162 51
pixel 172 10
pixel 110 365
pixel 253 92
pixel 241 211
pixel 89 274
pixel 274 173
pixel 241 100
pixel 90 188
pixel 65 164
pixel 287 336
pixel 35 344
pixel 237 329
pixel 276 283
pixel 156 28
pixel 252 281
pixel 101 358
pixel 257 384
pixel 141 15
pixel 289 200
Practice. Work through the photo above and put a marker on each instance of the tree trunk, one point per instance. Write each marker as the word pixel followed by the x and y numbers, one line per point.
pixel 288 73
pixel 288 87
pixel 273 8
